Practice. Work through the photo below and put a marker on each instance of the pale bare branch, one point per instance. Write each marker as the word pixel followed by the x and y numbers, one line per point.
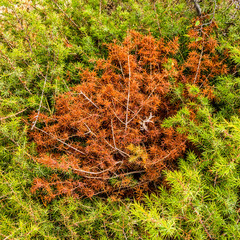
pixel 109 144
pixel 145 121
pixel 13 67
pixel 96 173
pixel 40 104
pixel 197 7
pixel 139 110
pixel 59 140
pixel 12 115
pixel 128 97
pixel 113 134
pixel 153 163
pixel 88 99
pixel 115 113
pixel 199 63
pixel 66 15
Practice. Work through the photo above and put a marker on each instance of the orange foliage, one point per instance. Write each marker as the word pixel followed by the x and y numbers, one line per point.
pixel 107 130
pixel 203 62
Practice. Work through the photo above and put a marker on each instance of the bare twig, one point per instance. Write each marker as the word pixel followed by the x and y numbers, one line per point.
pixel 40 104
pixel 12 115
pixel 121 67
pixel 199 63
pixel 237 3
pixel 89 99
pixel 213 16
pixel 59 140
pixel 128 97
pixel 20 79
pixel 109 144
pixel 168 154
pixel 197 7
pixel 115 113
pixel 155 10
pixel 18 200
pixel 129 173
pixel 139 110
pixel 7 41
pixel 147 120
pixel 114 142
pixel 108 178
pixel 66 15
pixel 96 173
pixel 23 29
pixel 124 234
pixel 201 221
pixel 100 7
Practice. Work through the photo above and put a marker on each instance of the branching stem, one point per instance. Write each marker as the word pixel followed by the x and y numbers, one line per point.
pixel 128 97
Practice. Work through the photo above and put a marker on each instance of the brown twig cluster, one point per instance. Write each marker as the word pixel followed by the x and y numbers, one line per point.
pixel 107 130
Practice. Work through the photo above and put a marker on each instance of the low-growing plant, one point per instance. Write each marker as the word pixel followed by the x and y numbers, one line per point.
pixel 106 136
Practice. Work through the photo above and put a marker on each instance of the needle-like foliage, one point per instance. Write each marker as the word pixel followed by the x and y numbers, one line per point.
pixel 107 130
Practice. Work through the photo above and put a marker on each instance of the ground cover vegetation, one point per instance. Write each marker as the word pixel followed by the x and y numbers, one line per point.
pixel 119 119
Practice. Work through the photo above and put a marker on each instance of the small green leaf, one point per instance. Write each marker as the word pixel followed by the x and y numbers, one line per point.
pixel 197 23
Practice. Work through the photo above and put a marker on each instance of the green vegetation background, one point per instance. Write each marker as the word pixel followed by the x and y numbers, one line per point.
pixel 52 39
